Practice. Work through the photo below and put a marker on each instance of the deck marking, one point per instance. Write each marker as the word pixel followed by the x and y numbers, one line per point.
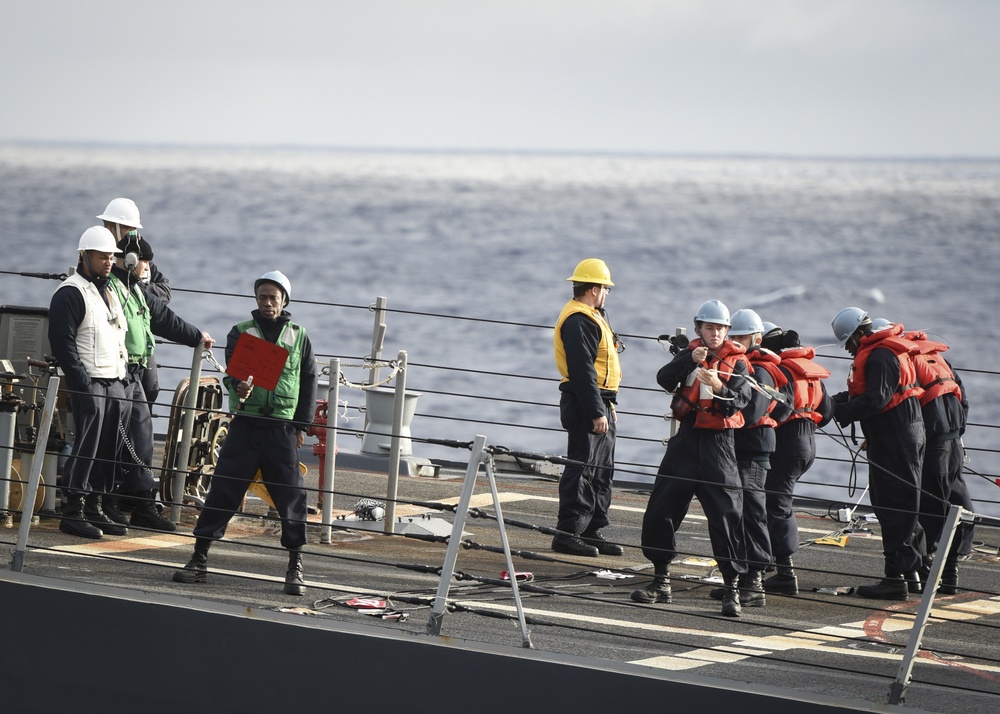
pixel 100 547
pixel 675 664
pixel 842 631
pixel 715 656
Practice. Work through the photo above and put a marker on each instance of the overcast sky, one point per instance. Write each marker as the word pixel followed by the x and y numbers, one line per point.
pixel 787 77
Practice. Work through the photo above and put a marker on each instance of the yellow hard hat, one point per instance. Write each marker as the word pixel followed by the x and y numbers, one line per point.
pixel 592 270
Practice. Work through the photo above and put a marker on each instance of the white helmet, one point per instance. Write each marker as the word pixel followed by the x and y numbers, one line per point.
pixel 746 322
pixel 98 238
pixel 879 323
pixel 713 311
pixel 122 211
pixel 846 322
pixel 279 279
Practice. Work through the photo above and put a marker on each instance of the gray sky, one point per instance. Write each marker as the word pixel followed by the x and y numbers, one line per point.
pixel 789 77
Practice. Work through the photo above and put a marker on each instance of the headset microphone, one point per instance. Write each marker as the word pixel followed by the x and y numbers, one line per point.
pixel 131 260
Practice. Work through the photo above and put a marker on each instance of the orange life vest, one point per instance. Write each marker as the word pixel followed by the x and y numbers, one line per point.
pixel 936 378
pixel 689 397
pixel 768 361
pixel 807 385
pixel 891 338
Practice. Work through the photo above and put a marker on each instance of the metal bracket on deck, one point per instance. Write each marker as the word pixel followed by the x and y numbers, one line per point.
pixel 451 555
pixel 897 691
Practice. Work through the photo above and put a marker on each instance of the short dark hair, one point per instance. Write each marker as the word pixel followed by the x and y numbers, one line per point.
pixel 581 288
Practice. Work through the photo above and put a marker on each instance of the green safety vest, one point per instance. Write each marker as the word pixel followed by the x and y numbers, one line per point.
pixel 139 342
pixel 281 402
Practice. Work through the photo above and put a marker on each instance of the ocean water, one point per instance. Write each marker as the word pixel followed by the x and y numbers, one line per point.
pixel 472 252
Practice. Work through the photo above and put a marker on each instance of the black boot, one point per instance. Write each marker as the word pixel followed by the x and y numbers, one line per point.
pixel 293 578
pixel 594 538
pixel 196 571
pixel 95 515
pixel 752 589
pixel 924 571
pixel 914 583
pixel 109 504
pixel 146 515
pixel 573 545
pixel 891 587
pixel 657 591
pixel 74 522
pixel 731 598
pixel 784 581
pixel 949 576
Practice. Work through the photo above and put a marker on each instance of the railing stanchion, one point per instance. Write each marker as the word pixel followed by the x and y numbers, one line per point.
pixel 183 466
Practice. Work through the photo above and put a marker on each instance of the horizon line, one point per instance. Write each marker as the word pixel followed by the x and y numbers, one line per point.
pixel 631 153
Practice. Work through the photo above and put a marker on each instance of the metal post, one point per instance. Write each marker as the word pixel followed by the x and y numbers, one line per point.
pixel 184 442
pixel 397 427
pixel 49 468
pixel 525 635
pixel 330 457
pixel 42 438
pixel 8 423
pixel 378 336
pixel 451 555
pixel 897 692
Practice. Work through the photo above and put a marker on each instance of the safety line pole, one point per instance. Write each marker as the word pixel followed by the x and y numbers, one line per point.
pixel 392 487
pixel 897 692
pixel 184 442
pixel 330 457
pixel 451 555
pixel 378 336
pixel 17 562
pixel 525 635
pixel 8 428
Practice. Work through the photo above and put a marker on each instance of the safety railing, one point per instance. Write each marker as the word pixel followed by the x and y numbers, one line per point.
pixel 486 405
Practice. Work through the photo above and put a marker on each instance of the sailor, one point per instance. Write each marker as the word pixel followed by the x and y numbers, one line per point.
pixel 121 217
pixel 145 316
pixel 586 351
pixel 268 429
pixel 754 443
pixel 794 448
pixel 87 336
pixel 710 387
pixel 883 394
pixel 945 409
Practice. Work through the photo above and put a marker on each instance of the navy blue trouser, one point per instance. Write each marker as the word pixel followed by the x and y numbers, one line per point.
pixel 756 540
pixel 97 413
pixel 702 463
pixel 138 479
pixel 894 467
pixel 794 453
pixel 943 486
pixel 585 488
pixel 252 444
